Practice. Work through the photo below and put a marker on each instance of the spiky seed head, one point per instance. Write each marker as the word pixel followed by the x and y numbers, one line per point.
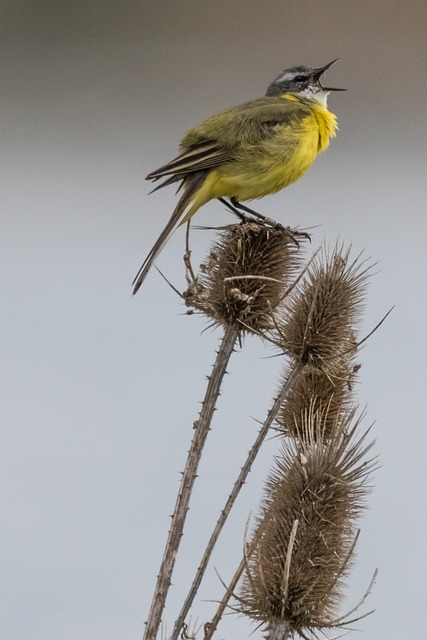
pixel 318 319
pixel 245 276
pixel 304 536
pixel 318 399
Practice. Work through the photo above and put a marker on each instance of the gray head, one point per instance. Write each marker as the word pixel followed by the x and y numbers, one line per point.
pixel 303 80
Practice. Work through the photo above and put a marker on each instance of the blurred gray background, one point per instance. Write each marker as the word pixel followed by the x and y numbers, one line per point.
pixel 98 389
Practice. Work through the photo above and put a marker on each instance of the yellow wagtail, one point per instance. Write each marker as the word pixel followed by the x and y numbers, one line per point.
pixel 249 151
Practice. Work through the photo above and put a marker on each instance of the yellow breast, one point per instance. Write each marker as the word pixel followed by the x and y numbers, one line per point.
pixel 276 162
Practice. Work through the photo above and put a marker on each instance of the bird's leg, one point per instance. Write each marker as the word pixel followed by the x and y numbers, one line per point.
pixel 233 209
pixel 269 221
pixel 238 205
pixel 237 208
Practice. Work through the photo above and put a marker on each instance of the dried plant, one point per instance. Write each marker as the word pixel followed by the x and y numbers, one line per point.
pixel 302 547
pixel 245 279
pixel 305 534
pixel 316 326
pixel 225 511
pixel 317 396
pixel 245 276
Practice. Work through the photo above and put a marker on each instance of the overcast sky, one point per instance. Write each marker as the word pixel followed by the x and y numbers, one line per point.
pixel 99 390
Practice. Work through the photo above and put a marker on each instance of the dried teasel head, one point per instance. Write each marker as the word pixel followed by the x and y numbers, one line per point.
pixel 317 400
pixel 317 321
pixel 245 276
pixel 302 547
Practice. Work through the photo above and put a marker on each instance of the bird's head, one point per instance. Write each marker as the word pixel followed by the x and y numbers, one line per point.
pixel 303 80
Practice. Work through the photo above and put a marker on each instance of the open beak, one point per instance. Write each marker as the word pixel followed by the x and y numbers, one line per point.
pixel 320 71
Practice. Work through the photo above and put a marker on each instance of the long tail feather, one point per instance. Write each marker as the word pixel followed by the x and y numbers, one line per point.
pixel 174 222
pixel 182 209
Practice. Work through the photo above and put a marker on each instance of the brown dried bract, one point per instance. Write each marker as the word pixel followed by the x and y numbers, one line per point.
pixel 317 322
pixel 245 276
pixel 305 535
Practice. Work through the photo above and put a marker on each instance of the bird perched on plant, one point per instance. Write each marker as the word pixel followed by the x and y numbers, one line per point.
pixel 248 151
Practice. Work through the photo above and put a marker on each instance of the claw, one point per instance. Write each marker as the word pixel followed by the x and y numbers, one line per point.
pixel 241 210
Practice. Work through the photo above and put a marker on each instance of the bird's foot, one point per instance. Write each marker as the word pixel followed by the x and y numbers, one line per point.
pixel 240 210
pixel 294 234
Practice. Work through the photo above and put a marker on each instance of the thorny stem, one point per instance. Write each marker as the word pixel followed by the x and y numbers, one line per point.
pixel 271 416
pixel 202 427
pixel 211 627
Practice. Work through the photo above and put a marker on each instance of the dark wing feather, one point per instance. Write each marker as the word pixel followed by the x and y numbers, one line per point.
pixel 198 157
pixel 177 177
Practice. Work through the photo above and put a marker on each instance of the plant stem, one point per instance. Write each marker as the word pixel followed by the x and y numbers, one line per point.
pixel 245 470
pixel 202 427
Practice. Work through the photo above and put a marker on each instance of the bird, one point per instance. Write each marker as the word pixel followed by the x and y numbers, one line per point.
pixel 248 151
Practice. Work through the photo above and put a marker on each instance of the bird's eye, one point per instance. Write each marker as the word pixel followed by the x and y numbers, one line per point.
pixel 299 79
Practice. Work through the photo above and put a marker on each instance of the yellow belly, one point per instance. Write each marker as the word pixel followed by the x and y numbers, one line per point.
pixel 267 170
pixel 271 166
pixel 276 163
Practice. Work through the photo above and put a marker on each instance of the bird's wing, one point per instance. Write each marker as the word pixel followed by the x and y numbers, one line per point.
pixel 203 155
pixel 219 139
pixel 247 124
